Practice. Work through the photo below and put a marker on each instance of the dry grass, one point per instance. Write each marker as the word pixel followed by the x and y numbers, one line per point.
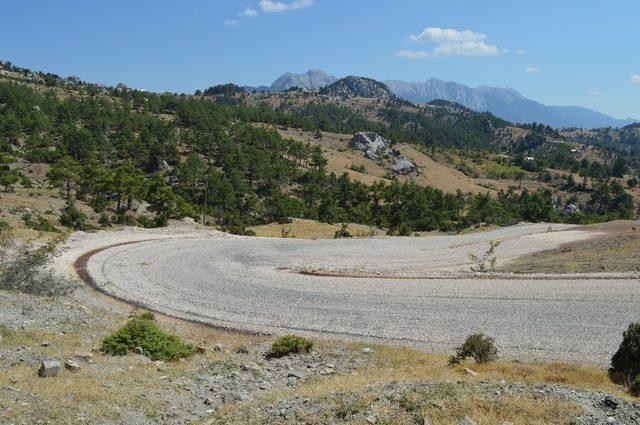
pixel 616 253
pixel 448 401
pixel 107 385
pixel 311 229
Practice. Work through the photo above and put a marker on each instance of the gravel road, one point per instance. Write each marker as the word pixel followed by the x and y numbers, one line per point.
pixel 246 283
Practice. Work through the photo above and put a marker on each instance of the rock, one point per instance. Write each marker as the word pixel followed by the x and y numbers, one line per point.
pixel 87 357
pixel 470 372
pixel 71 365
pixel 436 403
pixel 202 350
pixel 264 386
pixel 164 166
pixel 49 368
pixel 45 344
pixel 372 419
pixel 467 421
pixel 298 374
pixel 217 348
pixel 138 350
pixel 610 403
pixel 371 144
pixel 367 350
pixel 401 165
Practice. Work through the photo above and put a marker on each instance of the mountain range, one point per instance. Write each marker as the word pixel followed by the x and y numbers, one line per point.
pixel 505 103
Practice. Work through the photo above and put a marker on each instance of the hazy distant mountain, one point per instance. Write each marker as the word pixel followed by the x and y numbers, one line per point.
pixel 358 86
pixel 505 103
pixel 310 80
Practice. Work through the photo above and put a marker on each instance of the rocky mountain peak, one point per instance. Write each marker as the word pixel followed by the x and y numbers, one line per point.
pixel 353 86
pixel 310 80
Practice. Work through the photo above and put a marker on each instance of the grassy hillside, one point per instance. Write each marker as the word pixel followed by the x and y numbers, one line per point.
pixel 79 155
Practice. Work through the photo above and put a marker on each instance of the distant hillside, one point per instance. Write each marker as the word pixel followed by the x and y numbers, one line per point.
pixel 505 103
pixel 358 87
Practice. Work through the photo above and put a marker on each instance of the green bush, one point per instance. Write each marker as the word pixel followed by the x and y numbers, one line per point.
pixel 634 388
pixel 625 363
pixel 342 233
pixel 479 346
pixel 26 268
pixel 290 344
pixel 143 332
pixel 72 217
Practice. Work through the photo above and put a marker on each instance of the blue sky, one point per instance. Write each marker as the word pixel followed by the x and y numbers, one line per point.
pixel 563 52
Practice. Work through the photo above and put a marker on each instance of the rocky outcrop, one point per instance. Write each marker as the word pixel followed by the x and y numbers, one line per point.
pixel 400 164
pixel 353 86
pixel 378 148
pixel 369 143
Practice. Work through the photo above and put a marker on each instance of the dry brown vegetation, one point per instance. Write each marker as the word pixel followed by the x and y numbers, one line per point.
pixel 311 229
pixel 619 252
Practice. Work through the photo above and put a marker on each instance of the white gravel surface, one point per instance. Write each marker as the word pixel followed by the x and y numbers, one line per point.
pixel 239 282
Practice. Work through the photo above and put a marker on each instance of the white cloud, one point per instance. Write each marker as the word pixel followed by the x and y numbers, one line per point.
pixel 249 13
pixel 595 93
pixel 270 6
pixel 231 22
pixel 450 42
pixel 445 35
pixel 521 52
pixel 532 69
pixel 635 79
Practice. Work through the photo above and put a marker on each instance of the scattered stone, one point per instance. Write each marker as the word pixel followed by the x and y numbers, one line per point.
pixel 467 421
pixel 138 350
pixel 436 403
pixel 217 348
pixel 45 344
pixel 367 350
pixel 298 374
pixel 49 368
pixel 87 357
pixel 610 403
pixel 264 386
pixel 372 419
pixel 71 365
pixel 470 372
pixel 242 350
pixel 201 350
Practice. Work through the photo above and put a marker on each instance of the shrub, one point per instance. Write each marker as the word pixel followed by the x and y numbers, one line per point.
pixel 142 331
pixel 625 363
pixel 486 263
pixel 39 223
pixel 26 269
pixel 290 344
pixel 634 388
pixel 342 233
pixel 73 217
pixel 479 346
